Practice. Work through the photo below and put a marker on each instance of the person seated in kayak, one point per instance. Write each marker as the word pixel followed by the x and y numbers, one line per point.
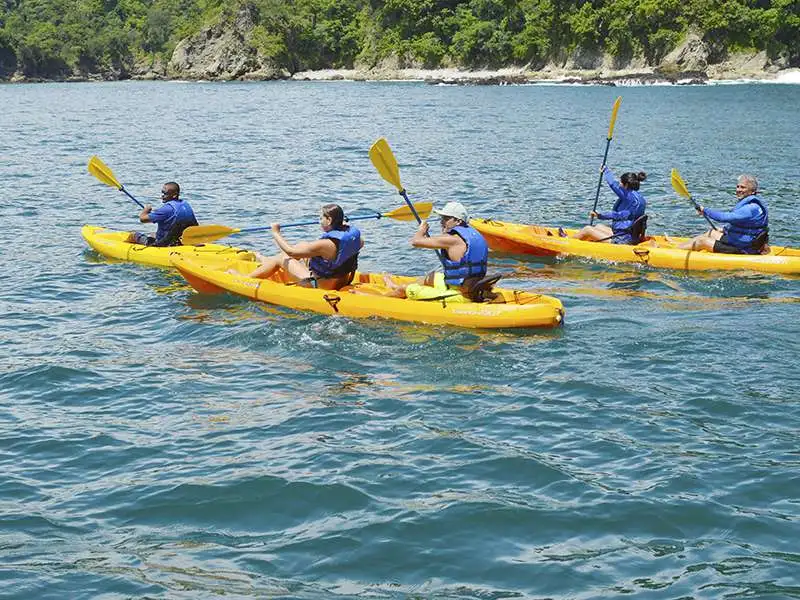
pixel 461 249
pixel 747 228
pixel 629 207
pixel 327 263
pixel 172 217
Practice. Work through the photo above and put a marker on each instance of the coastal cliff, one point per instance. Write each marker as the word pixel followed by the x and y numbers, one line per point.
pixel 480 41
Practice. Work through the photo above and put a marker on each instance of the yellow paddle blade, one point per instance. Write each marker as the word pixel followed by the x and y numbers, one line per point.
pixel 384 161
pixel 404 212
pixel 614 117
pixel 678 185
pixel 205 234
pixel 100 170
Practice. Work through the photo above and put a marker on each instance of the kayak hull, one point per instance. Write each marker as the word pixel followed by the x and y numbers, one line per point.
pixel 112 244
pixel 364 299
pixel 656 251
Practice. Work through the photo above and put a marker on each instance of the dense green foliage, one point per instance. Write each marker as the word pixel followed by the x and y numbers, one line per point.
pixel 60 38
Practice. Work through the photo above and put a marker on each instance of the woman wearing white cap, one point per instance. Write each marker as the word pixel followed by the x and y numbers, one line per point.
pixel 461 249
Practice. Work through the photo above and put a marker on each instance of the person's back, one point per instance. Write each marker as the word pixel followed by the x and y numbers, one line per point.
pixel 472 263
pixel 172 224
pixel 344 265
pixel 626 216
pixel 171 218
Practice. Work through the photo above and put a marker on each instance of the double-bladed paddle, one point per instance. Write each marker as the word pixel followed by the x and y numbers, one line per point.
pixel 204 234
pixel 100 170
pixel 680 188
pixel 384 161
pixel 605 156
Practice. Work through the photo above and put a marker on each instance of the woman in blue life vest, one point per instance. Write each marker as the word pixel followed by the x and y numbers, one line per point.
pixel 172 217
pixel 462 250
pixel 747 225
pixel 630 206
pixel 328 263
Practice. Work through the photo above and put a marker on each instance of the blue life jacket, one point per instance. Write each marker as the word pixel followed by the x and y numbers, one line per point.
pixel 741 233
pixel 348 245
pixel 169 231
pixel 474 261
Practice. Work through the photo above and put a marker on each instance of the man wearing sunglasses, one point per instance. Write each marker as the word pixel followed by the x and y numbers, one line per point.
pixel 172 217
pixel 462 250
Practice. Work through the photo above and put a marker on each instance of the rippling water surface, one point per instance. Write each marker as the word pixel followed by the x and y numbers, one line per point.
pixel 156 443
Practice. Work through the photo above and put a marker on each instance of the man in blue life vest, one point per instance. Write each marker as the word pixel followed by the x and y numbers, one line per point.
pixel 462 250
pixel 328 263
pixel 172 217
pixel 747 228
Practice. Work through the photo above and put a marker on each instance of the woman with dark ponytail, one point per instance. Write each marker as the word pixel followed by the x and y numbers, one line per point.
pixel 628 215
pixel 328 263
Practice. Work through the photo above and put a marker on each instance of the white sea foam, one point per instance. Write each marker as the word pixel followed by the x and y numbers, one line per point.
pixel 792 76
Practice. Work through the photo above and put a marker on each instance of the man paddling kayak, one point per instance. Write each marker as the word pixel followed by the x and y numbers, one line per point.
pixel 462 251
pixel 747 229
pixel 328 263
pixel 172 217
pixel 627 215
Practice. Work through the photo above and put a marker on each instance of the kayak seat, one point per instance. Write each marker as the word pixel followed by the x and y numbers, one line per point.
pixel 638 229
pixel 479 289
pixel 761 240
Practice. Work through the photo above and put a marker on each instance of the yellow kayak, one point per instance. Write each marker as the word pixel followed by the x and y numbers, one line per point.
pixel 511 309
pixel 655 251
pixel 109 242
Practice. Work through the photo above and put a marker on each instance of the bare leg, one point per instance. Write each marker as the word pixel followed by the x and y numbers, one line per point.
pixel 702 242
pixel 395 290
pixel 594 233
pixel 267 267
pixel 296 269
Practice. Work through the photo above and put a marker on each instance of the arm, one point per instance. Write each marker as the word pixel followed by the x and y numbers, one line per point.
pixel 324 248
pixel 746 212
pixel 162 213
pixel 144 216
pixel 613 183
pixel 438 242
pixel 629 206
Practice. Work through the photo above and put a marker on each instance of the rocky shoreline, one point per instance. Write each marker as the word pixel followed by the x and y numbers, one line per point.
pixel 508 76
pixel 223 52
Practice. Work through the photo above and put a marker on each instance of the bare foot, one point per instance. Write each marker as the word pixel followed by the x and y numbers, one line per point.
pixel 390 284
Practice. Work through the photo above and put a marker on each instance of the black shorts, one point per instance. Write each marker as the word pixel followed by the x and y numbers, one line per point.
pixel 723 247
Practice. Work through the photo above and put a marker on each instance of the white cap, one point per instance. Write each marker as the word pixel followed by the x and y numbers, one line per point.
pixel 453 209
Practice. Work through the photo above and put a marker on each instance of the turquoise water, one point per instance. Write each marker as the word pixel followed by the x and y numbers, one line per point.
pixel 156 443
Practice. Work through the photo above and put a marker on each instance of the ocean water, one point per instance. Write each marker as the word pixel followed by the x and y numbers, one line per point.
pixel 155 443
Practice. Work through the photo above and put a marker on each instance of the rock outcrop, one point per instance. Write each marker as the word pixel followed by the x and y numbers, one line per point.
pixel 691 55
pixel 222 52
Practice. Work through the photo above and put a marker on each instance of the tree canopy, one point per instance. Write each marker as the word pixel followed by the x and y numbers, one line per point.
pixel 61 38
